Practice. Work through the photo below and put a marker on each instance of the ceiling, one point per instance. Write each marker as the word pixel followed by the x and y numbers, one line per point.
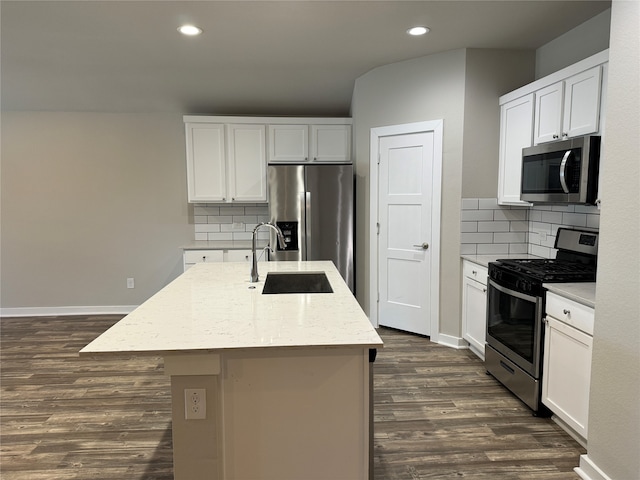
pixel 254 57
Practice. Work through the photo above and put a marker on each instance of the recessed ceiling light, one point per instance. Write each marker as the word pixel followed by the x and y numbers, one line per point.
pixel 416 31
pixel 190 30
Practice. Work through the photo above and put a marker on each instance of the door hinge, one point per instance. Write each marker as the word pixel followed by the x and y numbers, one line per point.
pixel 377 228
pixel 378 158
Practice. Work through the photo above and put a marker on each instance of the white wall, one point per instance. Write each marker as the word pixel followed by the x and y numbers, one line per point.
pixel 89 200
pixel 614 415
pixel 577 44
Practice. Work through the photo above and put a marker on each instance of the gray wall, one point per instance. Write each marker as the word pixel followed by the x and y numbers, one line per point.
pixel 614 415
pixel 577 44
pixel 488 75
pixel 462 88
pixel 87 201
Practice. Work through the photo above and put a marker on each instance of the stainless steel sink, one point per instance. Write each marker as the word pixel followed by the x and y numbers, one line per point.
pixel 296 282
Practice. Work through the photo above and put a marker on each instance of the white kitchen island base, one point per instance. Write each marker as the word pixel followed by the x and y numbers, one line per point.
pixel 295 414
pixel 286 377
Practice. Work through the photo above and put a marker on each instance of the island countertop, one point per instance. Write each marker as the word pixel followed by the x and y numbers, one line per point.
pixel 213 306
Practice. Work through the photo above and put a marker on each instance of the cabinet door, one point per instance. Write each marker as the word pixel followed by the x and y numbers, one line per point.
pixel 567 374
pixel 516 130
pixel 288 143
pixel 581 110
pixel 206 176
pixel 191 257
pixel 548 116
pixel 247 165
pixel 474 314
pixel 331 143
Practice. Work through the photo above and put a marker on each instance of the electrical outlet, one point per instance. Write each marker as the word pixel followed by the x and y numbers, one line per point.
pixel 195 403
pixel 130 283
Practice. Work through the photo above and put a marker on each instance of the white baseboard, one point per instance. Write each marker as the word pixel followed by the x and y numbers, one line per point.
pixel 589 470
pixel 60 311
pixel 451 341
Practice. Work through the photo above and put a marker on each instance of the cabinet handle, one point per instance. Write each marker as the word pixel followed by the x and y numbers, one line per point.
pixel 233 199
pixel 555 136
pixel 474 272
pixel 224 199
pixel 484 290
pixel 566 312
pixel 565 134
pixel 204 258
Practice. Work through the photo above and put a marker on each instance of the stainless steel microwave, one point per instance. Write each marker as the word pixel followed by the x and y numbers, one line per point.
pixel 561 172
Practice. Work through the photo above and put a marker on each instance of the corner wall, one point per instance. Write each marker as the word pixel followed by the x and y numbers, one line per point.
pixel 614 416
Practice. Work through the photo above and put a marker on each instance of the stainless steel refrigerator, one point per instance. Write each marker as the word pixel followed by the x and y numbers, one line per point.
pixel 313 206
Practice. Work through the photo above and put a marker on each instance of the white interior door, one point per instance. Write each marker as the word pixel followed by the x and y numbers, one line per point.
pixel 405 198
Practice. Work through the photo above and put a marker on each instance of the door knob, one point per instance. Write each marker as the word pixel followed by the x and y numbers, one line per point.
pixel 423 246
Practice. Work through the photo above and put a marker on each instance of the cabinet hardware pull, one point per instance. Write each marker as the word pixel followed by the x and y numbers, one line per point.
pixel 484 290
pixel 566 312
pixel 474 272
pixel 204 258
pixel 555 136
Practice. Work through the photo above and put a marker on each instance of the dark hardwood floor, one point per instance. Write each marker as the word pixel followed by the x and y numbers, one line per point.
pixel 437 414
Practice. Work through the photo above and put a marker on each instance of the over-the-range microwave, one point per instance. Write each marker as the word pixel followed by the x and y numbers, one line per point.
pixel 561 172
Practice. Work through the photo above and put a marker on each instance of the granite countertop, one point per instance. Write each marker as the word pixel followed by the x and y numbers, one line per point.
pixel 485 259
pixel 584 293
pixel 213 306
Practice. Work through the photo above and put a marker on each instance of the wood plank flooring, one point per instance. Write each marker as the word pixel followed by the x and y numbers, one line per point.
pixel 437 415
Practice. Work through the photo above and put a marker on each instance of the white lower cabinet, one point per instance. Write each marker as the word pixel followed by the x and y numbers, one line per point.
pixel 191 257
pixel 566 373
pixel 474 306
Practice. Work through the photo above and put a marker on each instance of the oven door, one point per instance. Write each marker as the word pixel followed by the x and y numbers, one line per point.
pixel 514 326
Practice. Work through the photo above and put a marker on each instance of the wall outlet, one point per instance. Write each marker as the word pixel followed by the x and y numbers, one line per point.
pixel 195 403
pixel 130 283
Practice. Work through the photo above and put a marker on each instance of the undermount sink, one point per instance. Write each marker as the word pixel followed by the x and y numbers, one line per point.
pixel 296 282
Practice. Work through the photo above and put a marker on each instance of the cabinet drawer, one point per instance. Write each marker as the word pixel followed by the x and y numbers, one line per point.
pixel 572 313
pixel 200 256
pixel 475 271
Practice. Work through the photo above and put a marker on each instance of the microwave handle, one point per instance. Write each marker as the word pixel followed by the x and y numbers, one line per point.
pixel 563 171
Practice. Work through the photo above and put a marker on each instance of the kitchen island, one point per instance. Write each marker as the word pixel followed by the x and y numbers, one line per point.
pixel 285 377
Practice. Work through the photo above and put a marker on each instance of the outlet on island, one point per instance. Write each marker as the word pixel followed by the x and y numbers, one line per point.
pixel 195 403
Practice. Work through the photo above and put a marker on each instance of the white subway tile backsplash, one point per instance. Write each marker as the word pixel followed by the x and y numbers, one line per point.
pixel 253 219
pixel 199 219
pixel 487 203
pixel 530 230
pixel 468 227
pixel 519 226
pixel 468 249
pixel 235 210
pixel 493 248
pixel 477 215
pixel 470 204
pixel 220 236
pixel 476 238
pixel 574 219
pixel 510 215
pixel 201 236
pixel 551 217
pixel 493 226
pixel 219 219
pixel 520 237
pixel 207 228
pixel 257 210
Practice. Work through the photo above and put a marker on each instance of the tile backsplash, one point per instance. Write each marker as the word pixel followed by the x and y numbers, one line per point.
pixel 489 228
pixel 233 222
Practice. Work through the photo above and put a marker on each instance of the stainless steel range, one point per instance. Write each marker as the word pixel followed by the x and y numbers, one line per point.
pixel 515 309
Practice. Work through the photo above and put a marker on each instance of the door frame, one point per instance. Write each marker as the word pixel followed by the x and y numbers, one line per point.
pixel 436 127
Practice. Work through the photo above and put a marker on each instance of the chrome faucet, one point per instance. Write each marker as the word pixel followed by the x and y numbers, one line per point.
pixel 254 260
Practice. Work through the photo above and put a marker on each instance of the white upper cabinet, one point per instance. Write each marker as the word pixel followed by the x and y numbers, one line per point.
pixel 516 126
pixel 288 143
pixel 331 143
pixel 309 143
pixel 569 108
pixel 565 104
pixel 226 168
pixel 247 165
pixel 206 162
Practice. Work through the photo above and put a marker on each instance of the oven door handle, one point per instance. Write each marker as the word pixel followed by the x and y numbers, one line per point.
pixel 508 291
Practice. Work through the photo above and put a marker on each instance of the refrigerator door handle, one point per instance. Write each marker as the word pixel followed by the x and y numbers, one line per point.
pixel 302 228
pixel 307 221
